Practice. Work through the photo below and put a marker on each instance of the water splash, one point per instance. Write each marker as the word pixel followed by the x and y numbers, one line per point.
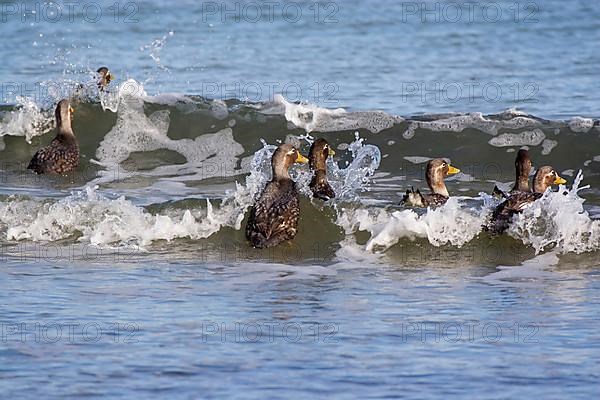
pixel 558 220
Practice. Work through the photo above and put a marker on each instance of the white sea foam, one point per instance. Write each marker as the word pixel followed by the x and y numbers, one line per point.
pixel 459 123
pixel 548 145
pixel 28 120
pixel 525 138
pixel 208 155
pixel 449 224
pixel 581 125
pixel 311 117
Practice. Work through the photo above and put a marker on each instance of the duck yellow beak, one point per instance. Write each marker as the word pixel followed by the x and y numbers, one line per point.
pixel 109 77
pixel 559 180
pixel 72 111
pixel 452 170
pixel 331 152
pixel 301 159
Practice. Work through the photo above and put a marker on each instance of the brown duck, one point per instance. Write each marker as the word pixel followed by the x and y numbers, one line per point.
pixel 544 178
pixel 274 217
pixel 317 159
pixel 523 168
pixel 104 78
pixel 436 171
pixel 62 154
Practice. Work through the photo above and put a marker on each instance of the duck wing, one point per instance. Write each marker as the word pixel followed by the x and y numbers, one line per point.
pixel 58 157
pixel 499 193
pixel 505 211
pixel 434 200
pixel 274 217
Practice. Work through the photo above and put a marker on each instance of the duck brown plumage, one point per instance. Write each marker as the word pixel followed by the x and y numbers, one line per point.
pixel 104 78
pixel 274 217
pixel 544 178
pixel 62 154
pixel 523 168
pixel 437 169
pixel 317 158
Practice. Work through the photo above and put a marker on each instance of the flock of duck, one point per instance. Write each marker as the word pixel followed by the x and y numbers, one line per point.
pixel 275 214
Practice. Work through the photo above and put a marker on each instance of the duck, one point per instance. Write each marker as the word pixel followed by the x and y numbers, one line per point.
pixel 317 158
pixel 523 166
pixel 274 217
pixel 437 169
pixel 62 154
pixel 544 178
pixel 104 77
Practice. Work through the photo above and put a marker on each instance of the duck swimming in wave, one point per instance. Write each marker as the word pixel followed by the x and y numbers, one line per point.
pixel 437 170
pixel 274 217
pixel 317 158
pixel 544 178
pixel 105 77
pixel 523 168
pixel 62 154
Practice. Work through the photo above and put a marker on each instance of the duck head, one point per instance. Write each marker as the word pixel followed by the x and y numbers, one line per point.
pixel 105 77
pixel 523 168
pixel 437 170
pixel 64 113
pixel 282 160
pixel 544 178
pixel 319 151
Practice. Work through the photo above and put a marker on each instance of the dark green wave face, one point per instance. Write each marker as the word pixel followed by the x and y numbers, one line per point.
pixel 167 155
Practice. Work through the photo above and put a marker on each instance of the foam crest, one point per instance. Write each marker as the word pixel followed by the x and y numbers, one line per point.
pixel 449 224
pixel 525 138
pixel 476 120
pixel 28 120
pixel 208 155
pixel 314 118
pixel 581 125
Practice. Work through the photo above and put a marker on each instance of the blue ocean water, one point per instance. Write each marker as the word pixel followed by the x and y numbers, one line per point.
pixel 89 309
pixel 400 57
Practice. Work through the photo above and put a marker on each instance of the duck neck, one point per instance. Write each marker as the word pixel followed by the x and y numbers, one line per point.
pixel 436 184
pixel 64 129
pixel 317 162
pixel 280 172
pixel 439 188
pixel 539 186
pixel 521 182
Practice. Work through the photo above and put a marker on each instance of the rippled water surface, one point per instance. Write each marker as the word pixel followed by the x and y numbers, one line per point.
pixel 131 276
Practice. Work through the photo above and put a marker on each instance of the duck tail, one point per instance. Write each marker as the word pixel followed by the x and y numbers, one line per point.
pixel 497 192
pixel 408 196
pixel 413 198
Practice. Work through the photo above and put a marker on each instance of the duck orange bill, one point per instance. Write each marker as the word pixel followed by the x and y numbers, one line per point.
pixel 452 170
pixel 109 77
pixel 559 180
pixel 301 159
pixel 71 110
